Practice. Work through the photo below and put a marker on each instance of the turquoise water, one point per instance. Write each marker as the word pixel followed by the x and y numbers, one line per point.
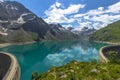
pixel 43 55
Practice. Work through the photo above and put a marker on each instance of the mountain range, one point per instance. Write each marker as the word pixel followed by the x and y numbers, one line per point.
pixel 18 24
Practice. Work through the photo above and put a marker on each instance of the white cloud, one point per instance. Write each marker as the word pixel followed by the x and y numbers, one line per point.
pixel 58 4
pixel 100 8
pixel 79 15
pixel 106 18
pixel 99 17
pixel 96 18
pixel 84 24
pixel 86 17
pixel 57 14
pixel 115 8
pixel 73 8
pixel 93 12
pixel 97 25
pixel 66 26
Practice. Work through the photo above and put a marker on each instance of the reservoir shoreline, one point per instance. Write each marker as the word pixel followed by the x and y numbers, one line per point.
pixel 20 43
pixel 112 43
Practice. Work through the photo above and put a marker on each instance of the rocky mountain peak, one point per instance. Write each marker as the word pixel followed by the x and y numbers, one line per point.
pixel 18 24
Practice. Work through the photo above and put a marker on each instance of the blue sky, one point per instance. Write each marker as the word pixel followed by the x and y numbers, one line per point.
pixel 76 13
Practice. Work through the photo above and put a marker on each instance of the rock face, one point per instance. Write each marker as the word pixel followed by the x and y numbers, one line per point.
pixel 57 32
pixel 85 31
pixel 18 24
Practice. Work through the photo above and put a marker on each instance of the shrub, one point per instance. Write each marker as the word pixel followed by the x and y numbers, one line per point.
pixel 112 56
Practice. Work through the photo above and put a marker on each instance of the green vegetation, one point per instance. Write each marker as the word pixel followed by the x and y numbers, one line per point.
pixel 112 56
pixel 25 37
pixel 110 33
pixel 34 35
pixel 1 40
pixel 20 36
pixel 82 71
pixel 35 75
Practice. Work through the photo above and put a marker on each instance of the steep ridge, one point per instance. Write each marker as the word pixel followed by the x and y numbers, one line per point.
pixel 18 24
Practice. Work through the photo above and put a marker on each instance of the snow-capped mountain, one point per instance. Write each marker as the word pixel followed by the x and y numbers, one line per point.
pixel 19 24
pixel 82 31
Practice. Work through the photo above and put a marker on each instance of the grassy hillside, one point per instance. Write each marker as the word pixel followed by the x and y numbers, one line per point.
pixel 81 71
pixel 19 36
pixel 110 33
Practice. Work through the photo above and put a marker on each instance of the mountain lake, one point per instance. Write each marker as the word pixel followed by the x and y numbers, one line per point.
pixel 41 56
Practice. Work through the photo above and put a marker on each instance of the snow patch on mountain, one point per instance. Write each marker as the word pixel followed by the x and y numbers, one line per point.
pixel 3 21
pixel 82 30
pixel 4 34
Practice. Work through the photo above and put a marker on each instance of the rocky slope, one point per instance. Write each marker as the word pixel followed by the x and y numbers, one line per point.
pixel 85 31
pixel 18 24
